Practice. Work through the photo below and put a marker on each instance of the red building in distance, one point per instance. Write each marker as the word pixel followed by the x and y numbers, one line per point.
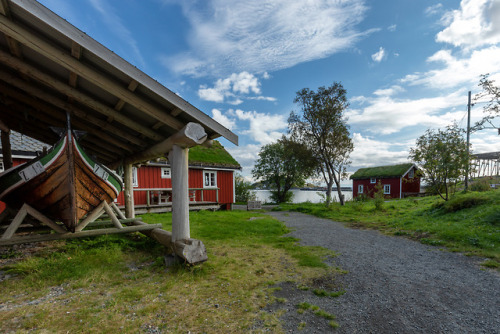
pixel 397 181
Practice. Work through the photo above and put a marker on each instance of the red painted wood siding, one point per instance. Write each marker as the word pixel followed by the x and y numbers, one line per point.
pixel 411 185
pixel 150 177
pixel 369 188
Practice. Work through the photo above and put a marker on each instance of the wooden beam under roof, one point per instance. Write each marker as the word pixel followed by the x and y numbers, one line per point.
pixel 35 43
pixel 42 95
pixel 47 113
pixel 77 95
pixel 19 123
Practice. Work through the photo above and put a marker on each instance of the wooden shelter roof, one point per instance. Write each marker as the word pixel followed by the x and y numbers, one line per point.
pixel 49 67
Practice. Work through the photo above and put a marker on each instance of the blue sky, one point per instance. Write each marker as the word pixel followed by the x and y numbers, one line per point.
pixel 406 65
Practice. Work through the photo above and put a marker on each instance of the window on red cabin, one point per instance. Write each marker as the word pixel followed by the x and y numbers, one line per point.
pixel 135 181
pixel 210 179
pixel 165 173
pixel 387 189
pixel 360 189
pixel 373 180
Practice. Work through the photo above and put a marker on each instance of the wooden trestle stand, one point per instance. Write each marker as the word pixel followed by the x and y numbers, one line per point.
pixel 38 227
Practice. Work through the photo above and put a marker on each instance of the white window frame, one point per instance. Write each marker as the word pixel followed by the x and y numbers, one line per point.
pixel 212 182
pixel 360 189
pixel 135 180
pixel 166 173
pixel 387 189
pixel 373 180
pixel 1 166
pixel 411 174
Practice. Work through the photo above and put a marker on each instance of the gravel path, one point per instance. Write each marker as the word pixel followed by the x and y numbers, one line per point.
pixel 393 285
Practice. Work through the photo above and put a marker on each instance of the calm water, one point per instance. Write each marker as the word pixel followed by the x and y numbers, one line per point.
pixel 300 196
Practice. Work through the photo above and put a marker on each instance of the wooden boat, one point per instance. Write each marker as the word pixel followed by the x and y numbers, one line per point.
pixel 65 184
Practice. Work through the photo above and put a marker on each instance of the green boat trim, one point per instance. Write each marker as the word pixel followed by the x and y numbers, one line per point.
pixel 110 177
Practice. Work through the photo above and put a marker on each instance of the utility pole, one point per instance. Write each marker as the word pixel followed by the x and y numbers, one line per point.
pixel 468 142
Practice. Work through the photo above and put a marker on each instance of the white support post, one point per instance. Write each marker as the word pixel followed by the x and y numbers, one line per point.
pixel 129 192
pixel 178 158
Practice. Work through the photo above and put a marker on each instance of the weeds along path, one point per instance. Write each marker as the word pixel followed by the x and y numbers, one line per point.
pixel 393 285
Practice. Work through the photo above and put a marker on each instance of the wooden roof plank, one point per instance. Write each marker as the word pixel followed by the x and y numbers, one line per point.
pixel 77 95
pixel 38 93
pixel 37 44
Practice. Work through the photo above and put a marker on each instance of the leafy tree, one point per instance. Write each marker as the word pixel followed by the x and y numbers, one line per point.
pixel 282 165
pixel 492 107
pixel 243 189
pixel 322 127
pixel 442 157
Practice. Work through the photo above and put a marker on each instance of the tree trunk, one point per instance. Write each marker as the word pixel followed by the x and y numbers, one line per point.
pixel 341 196
pixel 329 186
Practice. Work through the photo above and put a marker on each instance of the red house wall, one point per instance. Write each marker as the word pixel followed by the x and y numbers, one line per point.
pixel 150 177
pixel 411 185
pixel 369 188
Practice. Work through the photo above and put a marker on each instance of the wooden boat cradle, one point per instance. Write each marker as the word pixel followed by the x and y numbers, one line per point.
pixel 190 251
pixel 9 236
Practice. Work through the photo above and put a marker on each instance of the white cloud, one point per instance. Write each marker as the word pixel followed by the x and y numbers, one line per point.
pixel 263 98
pixel 234 86
pixel 485 141
pixel 210 94
pixel 389 91
pixel 115 24
pixel 435 9
pixel 263 128
pixel 379 56
pixel 246 156
pixel 369 152
pixel 392 27
pixel 265 35
pixel 475 24
pixel 429 112
pixel 223 119
pixel 457 72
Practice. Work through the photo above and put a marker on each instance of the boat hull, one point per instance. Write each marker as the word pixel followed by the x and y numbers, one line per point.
pixel 64 185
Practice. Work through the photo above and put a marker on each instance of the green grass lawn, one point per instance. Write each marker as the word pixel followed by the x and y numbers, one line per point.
pixel 119 283
pixel 467 223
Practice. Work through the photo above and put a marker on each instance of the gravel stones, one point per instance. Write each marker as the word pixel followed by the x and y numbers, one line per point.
pixel 393 284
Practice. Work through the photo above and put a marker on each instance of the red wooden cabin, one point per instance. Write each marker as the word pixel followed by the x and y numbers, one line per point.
pixel 398 181
pixel 210 187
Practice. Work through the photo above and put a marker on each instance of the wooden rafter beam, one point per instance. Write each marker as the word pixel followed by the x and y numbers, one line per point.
pixel 18 122
pixel 119 105
pixel 56 108
pixel 47 114
pixel 4 8
pixel 76 52
pixel 58 103
pixel 77 95
pixel 53 53
pixel 175 112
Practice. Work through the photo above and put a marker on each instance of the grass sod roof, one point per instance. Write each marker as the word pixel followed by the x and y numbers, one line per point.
pixel 381 171
pixel 212 156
